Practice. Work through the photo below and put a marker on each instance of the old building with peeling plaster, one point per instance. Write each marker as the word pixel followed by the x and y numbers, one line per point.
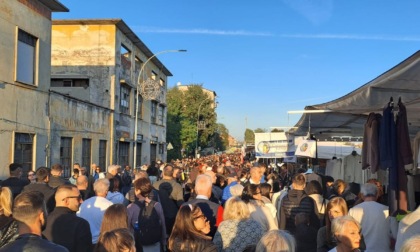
pixel 76 102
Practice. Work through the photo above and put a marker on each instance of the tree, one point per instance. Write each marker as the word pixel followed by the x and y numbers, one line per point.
pixel 260 130
pixel 220 139
pixel 277 130
pixel 249 136
pixel 185 109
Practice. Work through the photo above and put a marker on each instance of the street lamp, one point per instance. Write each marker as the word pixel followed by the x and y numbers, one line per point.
pixel 198 118
pixel 139 81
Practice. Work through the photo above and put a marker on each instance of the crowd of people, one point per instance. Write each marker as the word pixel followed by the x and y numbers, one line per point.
pixel 215 203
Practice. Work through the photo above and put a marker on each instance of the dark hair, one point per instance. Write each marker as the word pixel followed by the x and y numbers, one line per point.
pixel 28 205
pixel 42 173
pixel 144 185
pixel 329 179
pixel 248 192
pixel 115 183
pixel 265 190
pixel 276 186
pixel 76 171
pixel 184 232
pixel 14 166
pixel 313 187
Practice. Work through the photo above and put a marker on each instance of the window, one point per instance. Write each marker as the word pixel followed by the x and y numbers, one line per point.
pixel 138 154
pixel 23 150
pixel 160 114
pixel 102 154
pixel 140 108
pixel 84 83
pixel 26 58
pixel 153 112
pixel 161 148
pixel 125 57
pixel 86 152
pixel 123 157
pixel 162 82
pixel 125 99
pixel 154 75
pixel 65 155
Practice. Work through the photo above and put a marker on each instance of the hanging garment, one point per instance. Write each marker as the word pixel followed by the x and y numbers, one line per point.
pixel 370 150
pixel 405 155
pixel 416 151
pixel 352 167
pixel 334 169
pixel 388 154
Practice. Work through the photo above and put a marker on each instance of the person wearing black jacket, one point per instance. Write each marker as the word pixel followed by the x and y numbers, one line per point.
pixel 297 201
pixel 63 226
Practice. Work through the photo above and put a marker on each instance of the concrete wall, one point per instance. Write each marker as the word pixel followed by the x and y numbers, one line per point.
pixel 78 120
pixel 23 106
pixel 93 51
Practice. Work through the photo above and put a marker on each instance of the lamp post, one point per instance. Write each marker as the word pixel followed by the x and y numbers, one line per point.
pixel 139 80
pixel 198 118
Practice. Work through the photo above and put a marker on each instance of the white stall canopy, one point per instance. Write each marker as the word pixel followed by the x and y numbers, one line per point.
pixel 348 114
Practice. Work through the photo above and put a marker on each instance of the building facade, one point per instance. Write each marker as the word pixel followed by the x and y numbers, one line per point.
pixel 25 49
pixel 96 65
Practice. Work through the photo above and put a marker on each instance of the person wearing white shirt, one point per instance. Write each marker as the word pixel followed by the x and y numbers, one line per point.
pixel 93 209
pixel 373 217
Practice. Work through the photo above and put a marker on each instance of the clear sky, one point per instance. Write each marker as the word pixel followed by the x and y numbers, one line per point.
pixel 264 58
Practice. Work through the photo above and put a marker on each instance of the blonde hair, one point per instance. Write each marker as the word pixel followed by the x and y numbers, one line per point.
pixel 411 245
pixel 276 240
pixel 6 201
pixel 235 209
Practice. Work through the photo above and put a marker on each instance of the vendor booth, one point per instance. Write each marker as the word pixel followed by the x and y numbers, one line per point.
pixel 389 104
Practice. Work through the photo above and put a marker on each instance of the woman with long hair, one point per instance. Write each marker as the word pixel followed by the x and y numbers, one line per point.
pixel 336 207
pixel 251 195
pixel 266 193
pixel 189 231
pixel 114 194
pixel 8 226
pixel 236 217
pixel 115 217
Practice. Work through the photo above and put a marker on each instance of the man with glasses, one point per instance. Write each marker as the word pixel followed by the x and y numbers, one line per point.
pixel 63 226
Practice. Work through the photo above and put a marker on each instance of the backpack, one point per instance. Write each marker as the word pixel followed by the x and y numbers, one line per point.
pixel 126 179
pixel 148 230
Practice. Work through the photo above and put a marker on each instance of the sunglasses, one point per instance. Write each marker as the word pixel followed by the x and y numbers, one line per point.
pixel 79 197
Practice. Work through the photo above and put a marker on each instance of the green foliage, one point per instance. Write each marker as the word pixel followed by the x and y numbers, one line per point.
pixel 185 109
pixel 260 130
pixel 220 138
pixel 277 130
pixel 249 136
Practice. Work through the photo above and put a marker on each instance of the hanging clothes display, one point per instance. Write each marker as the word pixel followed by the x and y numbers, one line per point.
pixel 334 169
pixel 370 149
pixel 405 155
pixel 388 153
pixel 352 168
pixel 395 153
